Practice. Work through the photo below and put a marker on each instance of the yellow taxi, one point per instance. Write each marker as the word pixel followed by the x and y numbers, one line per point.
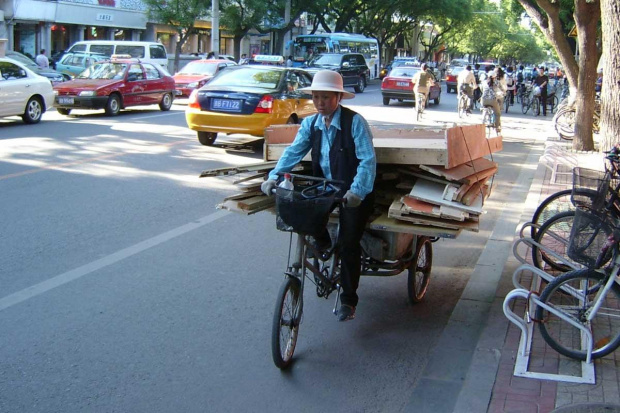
pixel 248 98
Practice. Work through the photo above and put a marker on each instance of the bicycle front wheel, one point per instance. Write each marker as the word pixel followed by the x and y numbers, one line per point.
pixel 561 201
pixel 525 105
pixel 573 293
pixel 419 272
pixel 536 106
pixel 286 320
pixel 559 225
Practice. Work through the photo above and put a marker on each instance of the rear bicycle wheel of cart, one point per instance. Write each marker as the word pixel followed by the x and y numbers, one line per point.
pixel 286 320
pixel 419 272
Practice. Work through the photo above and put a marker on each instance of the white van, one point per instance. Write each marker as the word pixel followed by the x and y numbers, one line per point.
pixel 151 52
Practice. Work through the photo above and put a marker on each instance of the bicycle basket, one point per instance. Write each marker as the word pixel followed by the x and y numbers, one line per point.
pixel 590 188
pixel 588 235
pixel 537 91
pixel 306 212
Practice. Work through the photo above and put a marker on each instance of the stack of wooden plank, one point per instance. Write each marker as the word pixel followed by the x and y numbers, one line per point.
pixel 429 181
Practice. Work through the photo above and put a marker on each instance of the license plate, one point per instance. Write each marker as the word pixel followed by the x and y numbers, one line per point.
pixel 402 84
pixel 230 105
pixel 65 101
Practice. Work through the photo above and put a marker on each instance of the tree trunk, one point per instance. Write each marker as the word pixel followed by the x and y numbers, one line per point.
pixel 587 15
pixel 177 53
pixel 610 98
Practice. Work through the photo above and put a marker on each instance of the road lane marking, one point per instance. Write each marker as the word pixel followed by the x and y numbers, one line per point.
pixel 81 161
pixel 72 275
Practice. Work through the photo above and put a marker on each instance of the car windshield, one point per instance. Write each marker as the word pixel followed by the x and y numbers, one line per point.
pixel 23 60
pixel 199 68
pixel 248 77
pixel 326 60
pixel 404 71
pixel 104 71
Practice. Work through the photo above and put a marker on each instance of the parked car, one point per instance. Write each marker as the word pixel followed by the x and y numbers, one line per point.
pixel 247 99
pixel 398 85
pixel 114 85
pixel 23 92
pixel 53 75
pixel 352 67
pixel 197 73
pixel 452 78
pixel 73 64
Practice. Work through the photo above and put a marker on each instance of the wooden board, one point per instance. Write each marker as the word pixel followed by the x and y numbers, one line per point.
pixel 399 212
pixel 384 223
pixel 234 207
pixel 432 192
pixel 256 202
pixel 466 143
pixel 263 166
pixel 424 208
pixel 462 172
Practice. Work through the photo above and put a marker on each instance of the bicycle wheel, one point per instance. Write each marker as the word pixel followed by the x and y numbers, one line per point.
pixel 573 293
pixel 462 109
pixel 507 101
pixel 565 123
pixel 560 225
pixel 536 106
pixel 525 105
pixel 419 271
pixel 561 202
pixel 286 320
pixel 554 102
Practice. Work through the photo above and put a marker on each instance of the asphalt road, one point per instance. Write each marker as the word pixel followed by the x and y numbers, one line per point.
pixel 123 289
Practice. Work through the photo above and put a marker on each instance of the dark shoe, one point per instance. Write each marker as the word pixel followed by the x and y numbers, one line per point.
pixel 346 313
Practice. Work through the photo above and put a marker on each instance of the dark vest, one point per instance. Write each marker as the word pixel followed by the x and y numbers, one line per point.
pixel 343 161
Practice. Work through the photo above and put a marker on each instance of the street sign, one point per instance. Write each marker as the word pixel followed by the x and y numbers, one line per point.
pixel 573 32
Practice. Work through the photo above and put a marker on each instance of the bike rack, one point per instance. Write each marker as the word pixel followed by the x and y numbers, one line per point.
pixel 526 324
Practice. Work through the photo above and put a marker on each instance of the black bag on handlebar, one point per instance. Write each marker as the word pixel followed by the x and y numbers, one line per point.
pixel 305 211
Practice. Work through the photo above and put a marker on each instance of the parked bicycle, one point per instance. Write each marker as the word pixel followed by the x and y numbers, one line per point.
pixel 564 119
pixel 530 100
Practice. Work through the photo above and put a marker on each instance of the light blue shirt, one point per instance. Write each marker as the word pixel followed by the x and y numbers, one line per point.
pixel 364 150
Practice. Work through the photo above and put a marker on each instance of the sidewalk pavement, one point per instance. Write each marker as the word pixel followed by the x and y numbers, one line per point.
pixel 471 368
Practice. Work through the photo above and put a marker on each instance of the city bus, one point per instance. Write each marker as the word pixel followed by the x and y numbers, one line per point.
pixel 307 45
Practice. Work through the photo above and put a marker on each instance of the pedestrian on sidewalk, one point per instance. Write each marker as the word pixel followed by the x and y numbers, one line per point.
pixel 41 60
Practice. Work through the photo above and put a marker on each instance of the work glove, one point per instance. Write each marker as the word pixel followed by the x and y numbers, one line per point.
pixel 352 200
pixel 268 186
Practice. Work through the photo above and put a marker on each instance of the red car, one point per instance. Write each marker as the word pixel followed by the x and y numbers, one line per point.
pixel 197 73
pixel 114 85
pixel 398 85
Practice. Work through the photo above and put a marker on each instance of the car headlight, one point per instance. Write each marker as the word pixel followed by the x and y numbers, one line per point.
pixel 87 93
pixel 193 85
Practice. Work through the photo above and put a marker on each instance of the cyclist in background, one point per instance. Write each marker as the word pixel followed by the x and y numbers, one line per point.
pixel 422 81
pixel 477 90
pixel 500 85
pixel 511 84
pixel 340 142
pixel 489 98
pixel 466 83
pixel 521 81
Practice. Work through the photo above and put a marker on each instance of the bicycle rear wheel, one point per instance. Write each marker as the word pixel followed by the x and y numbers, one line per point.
pixel 419 271
pixel 507 101
pixel 286 320
pixel 573 293
pixel 416 109
pixel 461 106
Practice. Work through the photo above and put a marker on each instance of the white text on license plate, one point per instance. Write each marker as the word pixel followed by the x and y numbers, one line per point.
pixel 402 84
pixel 226 104
pixel 65 101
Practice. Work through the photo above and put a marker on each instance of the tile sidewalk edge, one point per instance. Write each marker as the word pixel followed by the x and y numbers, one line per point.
pixel 477 389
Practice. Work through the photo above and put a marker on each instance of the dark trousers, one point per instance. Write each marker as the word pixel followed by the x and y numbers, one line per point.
pixel 352 224
pixel 543 103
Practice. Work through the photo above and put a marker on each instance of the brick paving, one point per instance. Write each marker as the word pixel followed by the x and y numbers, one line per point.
pixel 513 394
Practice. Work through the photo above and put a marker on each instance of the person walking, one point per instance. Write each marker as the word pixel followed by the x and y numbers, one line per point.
pixel 340 143
pixel 41 60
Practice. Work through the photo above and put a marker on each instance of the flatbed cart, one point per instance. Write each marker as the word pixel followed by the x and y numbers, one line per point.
pixel 385 252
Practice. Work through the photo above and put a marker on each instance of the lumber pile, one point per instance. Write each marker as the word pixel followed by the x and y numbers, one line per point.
pixel 426 184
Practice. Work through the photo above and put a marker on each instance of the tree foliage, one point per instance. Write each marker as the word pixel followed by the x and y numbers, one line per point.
pixel 180 14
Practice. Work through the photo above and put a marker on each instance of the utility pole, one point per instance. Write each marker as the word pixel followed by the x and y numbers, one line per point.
pixel 215 27
pixel 287 19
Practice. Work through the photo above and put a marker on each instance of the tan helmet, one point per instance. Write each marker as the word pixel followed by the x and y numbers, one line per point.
pixel 328 81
